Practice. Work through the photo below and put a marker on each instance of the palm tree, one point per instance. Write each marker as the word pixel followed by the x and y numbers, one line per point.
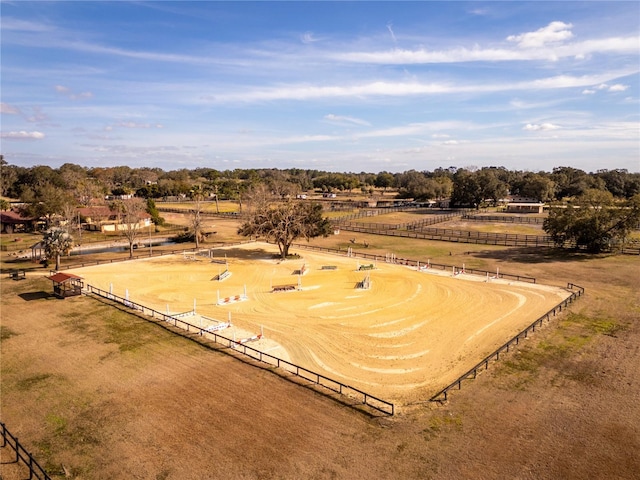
pixel 57 241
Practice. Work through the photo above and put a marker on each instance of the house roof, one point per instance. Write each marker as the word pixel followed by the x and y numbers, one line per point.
pixel 104 211
pixel 526 204
pixel 98 210
pixel 63 277
pixel 11 216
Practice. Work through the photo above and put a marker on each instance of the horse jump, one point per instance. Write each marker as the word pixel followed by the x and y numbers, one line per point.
pixel 233 298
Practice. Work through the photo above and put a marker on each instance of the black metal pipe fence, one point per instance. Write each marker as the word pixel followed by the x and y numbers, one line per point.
pixel 461 236
pixel 155 253
pixel 431 220
pixel 417 263
pixel 484 363
pixel 505 219
pixel 354 393
pixel 202 213
pixel 35 470
pixel 372 212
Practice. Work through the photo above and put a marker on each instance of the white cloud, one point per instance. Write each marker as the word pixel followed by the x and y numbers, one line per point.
pixel 308 37
pixel 440 135
pixel 618 87
pixel 22 135
pixel 132 125
pixel 9 109
pixel 393 35
pixel 9 23
pixel 340 119
pixel 67 92
pixel 402 89
pixel 540 127
pixel 553 33
pixel 479 11
pixel 124 124
pixel 397 56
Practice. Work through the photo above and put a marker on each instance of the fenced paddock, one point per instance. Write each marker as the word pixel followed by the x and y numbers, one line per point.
pixel 401 340
pixel 458 236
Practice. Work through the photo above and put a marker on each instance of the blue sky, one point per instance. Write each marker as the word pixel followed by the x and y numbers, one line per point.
pixel 338 86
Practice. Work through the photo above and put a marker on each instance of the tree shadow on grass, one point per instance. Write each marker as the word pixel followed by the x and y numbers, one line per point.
pixel 538 255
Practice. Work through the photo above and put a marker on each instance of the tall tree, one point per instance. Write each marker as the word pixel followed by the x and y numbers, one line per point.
pixel 593 221
pixel 384 180
pixel 131 213
pixel 57 241
pixel 197 196
pixel 535 185
pixel 467 191
pixel 44 201
pixel 284 222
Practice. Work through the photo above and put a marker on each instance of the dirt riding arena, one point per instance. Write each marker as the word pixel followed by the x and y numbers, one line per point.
pixel 404 337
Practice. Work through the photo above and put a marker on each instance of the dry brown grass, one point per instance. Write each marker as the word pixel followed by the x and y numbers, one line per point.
pixel 108 395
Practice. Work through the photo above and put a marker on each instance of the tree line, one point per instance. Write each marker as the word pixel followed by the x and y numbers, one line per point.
pixel 593 210
pixel 464 186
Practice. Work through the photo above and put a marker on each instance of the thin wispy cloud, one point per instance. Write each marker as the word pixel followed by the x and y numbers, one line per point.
pixel 540 127
pixel 9 109
pixel 308 37
pixel 16 24
pixel 22 135
pixel 393 35
pixel 435 83
pixel 344 120
pixel 70 94
pixel 404 89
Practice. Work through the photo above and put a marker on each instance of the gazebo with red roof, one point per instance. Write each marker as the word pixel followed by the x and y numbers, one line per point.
pixel 66 284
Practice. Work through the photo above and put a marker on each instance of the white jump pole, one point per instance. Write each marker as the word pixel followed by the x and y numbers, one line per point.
pixel 218 296
pixel 167 309
pixel 194 305
pixel 126 294
pixel 261 331
pixel 229 317
pixel 111 289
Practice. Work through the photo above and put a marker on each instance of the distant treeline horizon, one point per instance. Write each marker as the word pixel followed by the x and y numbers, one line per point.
pixel 464 186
